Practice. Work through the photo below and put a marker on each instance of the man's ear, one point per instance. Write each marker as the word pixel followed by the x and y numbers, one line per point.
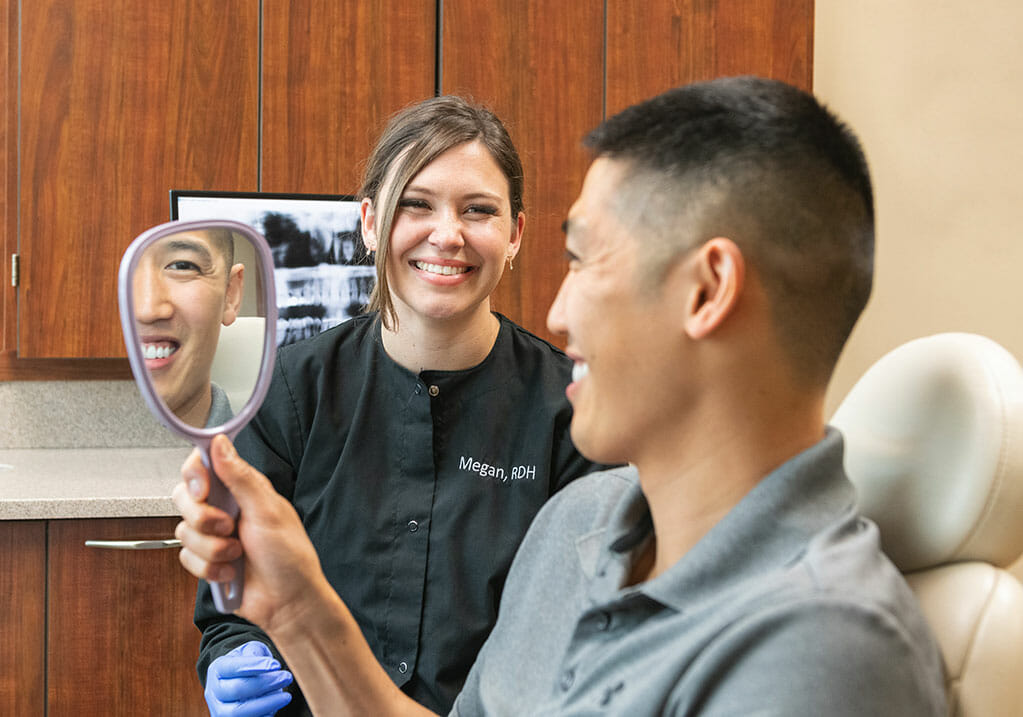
pixel 233 298
pixel 368 216
pixel 718 272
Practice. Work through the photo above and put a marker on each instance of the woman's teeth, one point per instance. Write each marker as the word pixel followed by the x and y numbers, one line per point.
pixel 152 351
pixel 440 269
pixel 579 370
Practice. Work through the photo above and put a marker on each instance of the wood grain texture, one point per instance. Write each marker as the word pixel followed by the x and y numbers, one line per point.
pixel 658 44
pixel 120 102
pixel 333 72
pixel 23 617
pixel 538 66
pixel 121 639
pixel 8 171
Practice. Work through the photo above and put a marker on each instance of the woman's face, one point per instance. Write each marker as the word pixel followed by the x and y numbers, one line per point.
pixel 451 236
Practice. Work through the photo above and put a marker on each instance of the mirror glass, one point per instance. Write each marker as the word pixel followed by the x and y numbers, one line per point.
pixel 199 307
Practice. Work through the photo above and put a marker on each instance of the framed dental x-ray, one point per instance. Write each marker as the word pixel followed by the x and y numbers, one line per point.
pixel 322 273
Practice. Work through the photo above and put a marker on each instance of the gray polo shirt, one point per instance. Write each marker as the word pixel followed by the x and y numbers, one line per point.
pixel 786 607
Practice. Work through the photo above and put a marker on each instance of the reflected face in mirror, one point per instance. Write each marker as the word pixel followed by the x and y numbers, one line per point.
pixel 186 286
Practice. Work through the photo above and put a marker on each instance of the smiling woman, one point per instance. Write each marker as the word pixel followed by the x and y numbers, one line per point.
pixel 418 441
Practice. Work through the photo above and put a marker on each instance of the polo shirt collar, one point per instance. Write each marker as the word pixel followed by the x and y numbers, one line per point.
pixel 767 529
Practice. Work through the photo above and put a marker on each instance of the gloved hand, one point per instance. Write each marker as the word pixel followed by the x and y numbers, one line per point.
pixel 246 682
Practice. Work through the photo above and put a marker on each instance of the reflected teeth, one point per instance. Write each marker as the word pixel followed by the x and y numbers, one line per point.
pixel 579 370
pixel 439 269
pixel 152 351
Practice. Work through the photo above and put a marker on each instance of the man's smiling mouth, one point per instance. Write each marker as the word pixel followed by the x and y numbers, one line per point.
pixel 159 350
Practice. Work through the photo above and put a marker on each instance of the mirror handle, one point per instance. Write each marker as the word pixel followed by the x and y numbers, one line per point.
pixel 227 596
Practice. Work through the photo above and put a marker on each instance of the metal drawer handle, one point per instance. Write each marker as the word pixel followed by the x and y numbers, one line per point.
pixel 134 544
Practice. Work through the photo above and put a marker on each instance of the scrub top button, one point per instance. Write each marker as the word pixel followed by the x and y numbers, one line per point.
pixel 403 667
pixel 413 526
pixel 434 391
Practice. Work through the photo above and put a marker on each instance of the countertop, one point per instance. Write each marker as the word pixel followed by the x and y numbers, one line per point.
pixel 54 483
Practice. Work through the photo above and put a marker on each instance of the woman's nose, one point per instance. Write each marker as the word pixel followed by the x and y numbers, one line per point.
pixel 447 235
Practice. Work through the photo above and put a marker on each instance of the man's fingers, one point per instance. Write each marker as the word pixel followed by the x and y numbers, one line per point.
pixel 201 516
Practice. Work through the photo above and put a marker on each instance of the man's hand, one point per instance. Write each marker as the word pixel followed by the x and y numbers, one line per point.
pixel 281 565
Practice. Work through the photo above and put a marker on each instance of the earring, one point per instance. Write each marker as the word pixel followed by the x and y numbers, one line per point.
pixel 510 266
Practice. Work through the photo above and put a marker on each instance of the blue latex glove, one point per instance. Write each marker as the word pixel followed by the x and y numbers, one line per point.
pixel 246 682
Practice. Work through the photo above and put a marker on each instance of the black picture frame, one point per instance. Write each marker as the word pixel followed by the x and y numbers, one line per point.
pixel 322 273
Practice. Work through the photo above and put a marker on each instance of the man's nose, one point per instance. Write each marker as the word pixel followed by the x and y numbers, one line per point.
pixel 556 314
pixel 151 303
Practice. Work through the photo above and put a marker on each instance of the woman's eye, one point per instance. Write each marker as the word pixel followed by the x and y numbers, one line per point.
pixel 413 204
pixel 481 209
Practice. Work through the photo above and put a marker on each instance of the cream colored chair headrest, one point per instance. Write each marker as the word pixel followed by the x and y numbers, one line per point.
pixel 238 358
pixel 934 443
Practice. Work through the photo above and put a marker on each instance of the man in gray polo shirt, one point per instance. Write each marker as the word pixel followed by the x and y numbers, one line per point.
pixel 720 252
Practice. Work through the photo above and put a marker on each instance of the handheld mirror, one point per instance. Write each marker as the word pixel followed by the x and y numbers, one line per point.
pixel 199 316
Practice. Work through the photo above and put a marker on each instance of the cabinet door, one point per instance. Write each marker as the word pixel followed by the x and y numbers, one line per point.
pixel 538 65
pixel 333 72
pixel 692 40
pixel 120 638
pixel 120 101
pixel 23 617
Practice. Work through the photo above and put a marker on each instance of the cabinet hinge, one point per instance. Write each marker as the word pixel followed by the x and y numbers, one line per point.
pixel 15 269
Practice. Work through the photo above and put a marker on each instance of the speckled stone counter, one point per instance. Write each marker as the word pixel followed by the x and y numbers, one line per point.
pixel 88 482
pixel 83 449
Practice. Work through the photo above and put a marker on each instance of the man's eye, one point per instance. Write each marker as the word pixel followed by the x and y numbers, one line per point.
pixel 183 265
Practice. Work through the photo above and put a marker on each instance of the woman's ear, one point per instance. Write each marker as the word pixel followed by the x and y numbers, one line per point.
pixel 516 239
pixel 718 273
pixel 368 217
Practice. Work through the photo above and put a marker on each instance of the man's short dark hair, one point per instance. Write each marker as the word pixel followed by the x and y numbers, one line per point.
pixel 766 165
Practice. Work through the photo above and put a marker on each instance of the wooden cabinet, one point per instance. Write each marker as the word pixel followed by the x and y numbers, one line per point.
pixel 23 618
pixel 115 625
pixel 118 101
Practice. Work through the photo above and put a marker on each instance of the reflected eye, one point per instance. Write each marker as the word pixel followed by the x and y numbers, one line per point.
pixel 184 265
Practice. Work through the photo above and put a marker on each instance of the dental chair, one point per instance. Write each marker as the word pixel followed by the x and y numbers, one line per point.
pixel 239 354
pixel 934 444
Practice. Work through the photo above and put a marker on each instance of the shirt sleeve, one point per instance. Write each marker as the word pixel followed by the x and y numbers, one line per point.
pixel 811 657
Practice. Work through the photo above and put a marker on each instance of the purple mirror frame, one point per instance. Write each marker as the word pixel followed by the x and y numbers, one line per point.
pixel 226 596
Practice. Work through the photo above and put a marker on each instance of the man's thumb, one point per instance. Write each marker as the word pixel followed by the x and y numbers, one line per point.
pixel 237 476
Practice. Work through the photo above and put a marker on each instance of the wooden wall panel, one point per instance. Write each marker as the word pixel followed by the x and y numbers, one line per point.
pixel 121 639
pixel 23 617
pixel 538 65
pixel 120 102
pixel 333 72
pixel 658 44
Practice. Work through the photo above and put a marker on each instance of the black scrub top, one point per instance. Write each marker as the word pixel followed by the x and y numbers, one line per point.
pixel 415 489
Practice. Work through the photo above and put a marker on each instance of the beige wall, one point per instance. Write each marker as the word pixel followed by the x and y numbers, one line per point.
pixel 934 89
